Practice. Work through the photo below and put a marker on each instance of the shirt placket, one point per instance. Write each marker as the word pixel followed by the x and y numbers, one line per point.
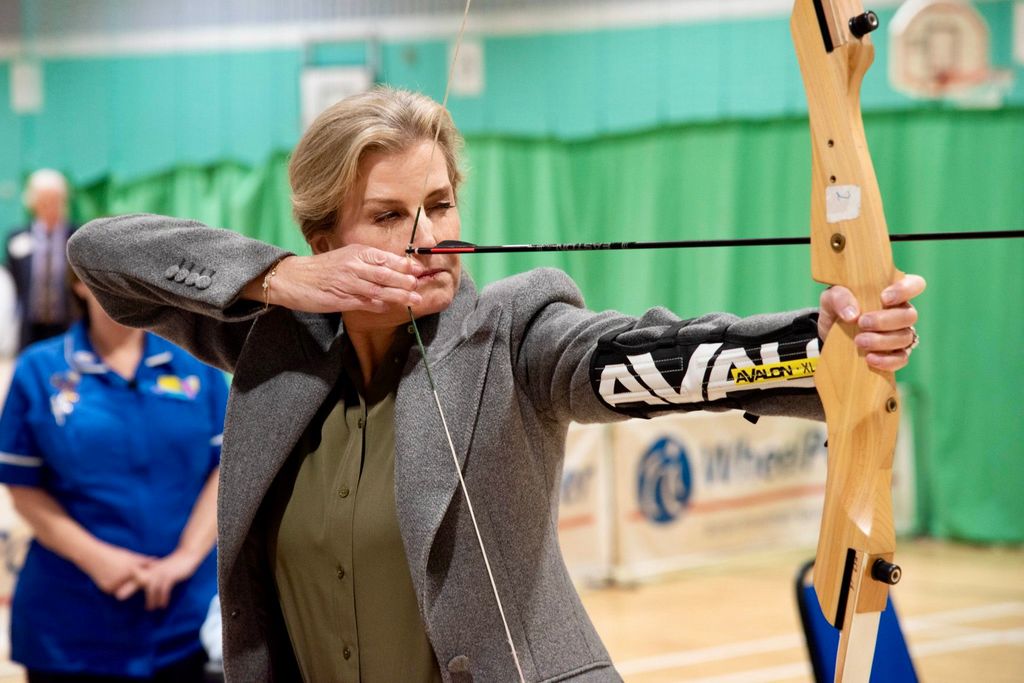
pixel 355 417
pixel 38 275
pixel 47 313
pixel 59 274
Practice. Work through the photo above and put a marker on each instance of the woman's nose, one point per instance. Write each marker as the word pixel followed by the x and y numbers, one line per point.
pixel 424 236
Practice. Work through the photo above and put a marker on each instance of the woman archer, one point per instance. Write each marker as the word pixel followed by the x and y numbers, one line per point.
pixel 346 551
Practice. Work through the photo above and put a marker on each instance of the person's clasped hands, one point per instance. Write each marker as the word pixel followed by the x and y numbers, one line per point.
pixel 122 573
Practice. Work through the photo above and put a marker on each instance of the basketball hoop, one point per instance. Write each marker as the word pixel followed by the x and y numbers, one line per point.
pixel 939 50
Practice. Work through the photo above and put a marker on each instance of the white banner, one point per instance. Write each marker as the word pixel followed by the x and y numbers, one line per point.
pixel 586 513
pixel 694 488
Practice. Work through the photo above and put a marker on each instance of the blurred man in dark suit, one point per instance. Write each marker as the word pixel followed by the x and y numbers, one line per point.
pixel 37 260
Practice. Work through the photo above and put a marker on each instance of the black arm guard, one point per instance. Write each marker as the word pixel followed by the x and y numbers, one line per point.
pixel 727 366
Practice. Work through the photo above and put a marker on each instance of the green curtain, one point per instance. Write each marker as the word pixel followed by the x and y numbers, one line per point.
pixel 251 200
pixel 939 170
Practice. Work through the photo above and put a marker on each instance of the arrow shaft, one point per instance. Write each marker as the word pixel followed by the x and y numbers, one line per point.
pixel 466 248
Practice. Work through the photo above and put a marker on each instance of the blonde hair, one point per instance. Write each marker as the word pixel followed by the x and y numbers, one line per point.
pixel 324 167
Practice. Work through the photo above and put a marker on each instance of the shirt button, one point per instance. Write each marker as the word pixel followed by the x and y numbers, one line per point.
pixel 341 573
pixel 410 329
pixel 360 423
pixel 343 492
pixel 346 653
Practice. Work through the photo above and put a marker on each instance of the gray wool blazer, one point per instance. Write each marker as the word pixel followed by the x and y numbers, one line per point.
pixel 512 368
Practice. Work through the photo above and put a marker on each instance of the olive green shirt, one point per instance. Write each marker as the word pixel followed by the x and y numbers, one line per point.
pixel 334 542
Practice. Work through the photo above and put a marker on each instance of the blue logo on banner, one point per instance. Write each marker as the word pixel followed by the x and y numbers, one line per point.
pixel 664 482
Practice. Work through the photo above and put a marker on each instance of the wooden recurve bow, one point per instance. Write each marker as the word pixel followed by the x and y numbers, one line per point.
pixel 849 247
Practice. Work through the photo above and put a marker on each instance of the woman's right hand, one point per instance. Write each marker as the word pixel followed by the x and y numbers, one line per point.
pixel 351 278
pixel 113 569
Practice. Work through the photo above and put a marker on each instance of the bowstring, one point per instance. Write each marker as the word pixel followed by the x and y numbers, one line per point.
pixel 426 364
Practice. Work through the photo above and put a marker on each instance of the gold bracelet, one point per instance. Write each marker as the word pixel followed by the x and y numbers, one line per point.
pixel 266 283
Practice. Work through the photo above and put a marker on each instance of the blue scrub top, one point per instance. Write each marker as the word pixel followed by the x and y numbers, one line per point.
pixel 127 461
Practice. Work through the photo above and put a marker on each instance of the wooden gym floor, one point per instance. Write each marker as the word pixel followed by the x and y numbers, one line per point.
pixel 961 607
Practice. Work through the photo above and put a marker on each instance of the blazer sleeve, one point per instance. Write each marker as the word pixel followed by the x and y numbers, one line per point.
pixel 178 278
pixel 597 367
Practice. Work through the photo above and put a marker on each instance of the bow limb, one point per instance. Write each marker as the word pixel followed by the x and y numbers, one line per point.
pixel 849 247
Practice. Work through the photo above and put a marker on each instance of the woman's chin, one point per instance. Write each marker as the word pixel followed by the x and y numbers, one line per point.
pixel 437 291
pixel 433 302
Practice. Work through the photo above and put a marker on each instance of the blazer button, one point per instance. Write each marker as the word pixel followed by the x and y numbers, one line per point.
pixel 171 272
pixel 204 281
pixel 459 665
pixel 191 279
pixel 181 275
pixel 346 653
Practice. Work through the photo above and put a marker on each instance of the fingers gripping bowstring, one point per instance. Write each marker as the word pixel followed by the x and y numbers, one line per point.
pixel 426 364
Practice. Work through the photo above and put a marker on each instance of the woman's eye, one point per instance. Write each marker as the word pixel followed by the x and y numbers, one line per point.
pixel 386 217
pixel 442 206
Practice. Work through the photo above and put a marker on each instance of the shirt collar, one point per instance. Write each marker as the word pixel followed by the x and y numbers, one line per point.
pixel 387 376
pixel 80 355
pixel 39 229
pixel 157 352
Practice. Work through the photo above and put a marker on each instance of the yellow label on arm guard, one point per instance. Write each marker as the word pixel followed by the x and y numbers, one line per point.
pixel 772 372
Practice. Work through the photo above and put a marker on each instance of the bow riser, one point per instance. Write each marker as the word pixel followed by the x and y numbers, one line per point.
pixel 845 199
pixel 862 415
pixel 849 247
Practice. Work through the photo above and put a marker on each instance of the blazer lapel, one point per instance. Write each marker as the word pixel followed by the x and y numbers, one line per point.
pixel 425 477
pixel 290 363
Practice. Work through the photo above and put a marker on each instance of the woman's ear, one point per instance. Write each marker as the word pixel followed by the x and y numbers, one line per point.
pixel 81 289
pixel 321 244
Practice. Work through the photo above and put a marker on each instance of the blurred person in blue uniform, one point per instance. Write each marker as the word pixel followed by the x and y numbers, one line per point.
pixel 37 260
pixel 110 445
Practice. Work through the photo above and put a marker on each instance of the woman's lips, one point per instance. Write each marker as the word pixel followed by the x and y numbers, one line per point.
pixel 430 274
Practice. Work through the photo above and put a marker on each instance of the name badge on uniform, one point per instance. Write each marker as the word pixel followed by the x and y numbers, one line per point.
pixel 186 388
pixel 63 402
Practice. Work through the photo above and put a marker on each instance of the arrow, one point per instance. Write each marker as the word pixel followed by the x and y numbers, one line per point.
pixel 460 247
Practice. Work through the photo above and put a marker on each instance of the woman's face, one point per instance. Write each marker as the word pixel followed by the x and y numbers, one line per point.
pixel 92 306
pixel 381 213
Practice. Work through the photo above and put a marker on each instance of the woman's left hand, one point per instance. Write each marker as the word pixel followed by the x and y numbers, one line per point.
pixel 159 578
pixel 886 335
